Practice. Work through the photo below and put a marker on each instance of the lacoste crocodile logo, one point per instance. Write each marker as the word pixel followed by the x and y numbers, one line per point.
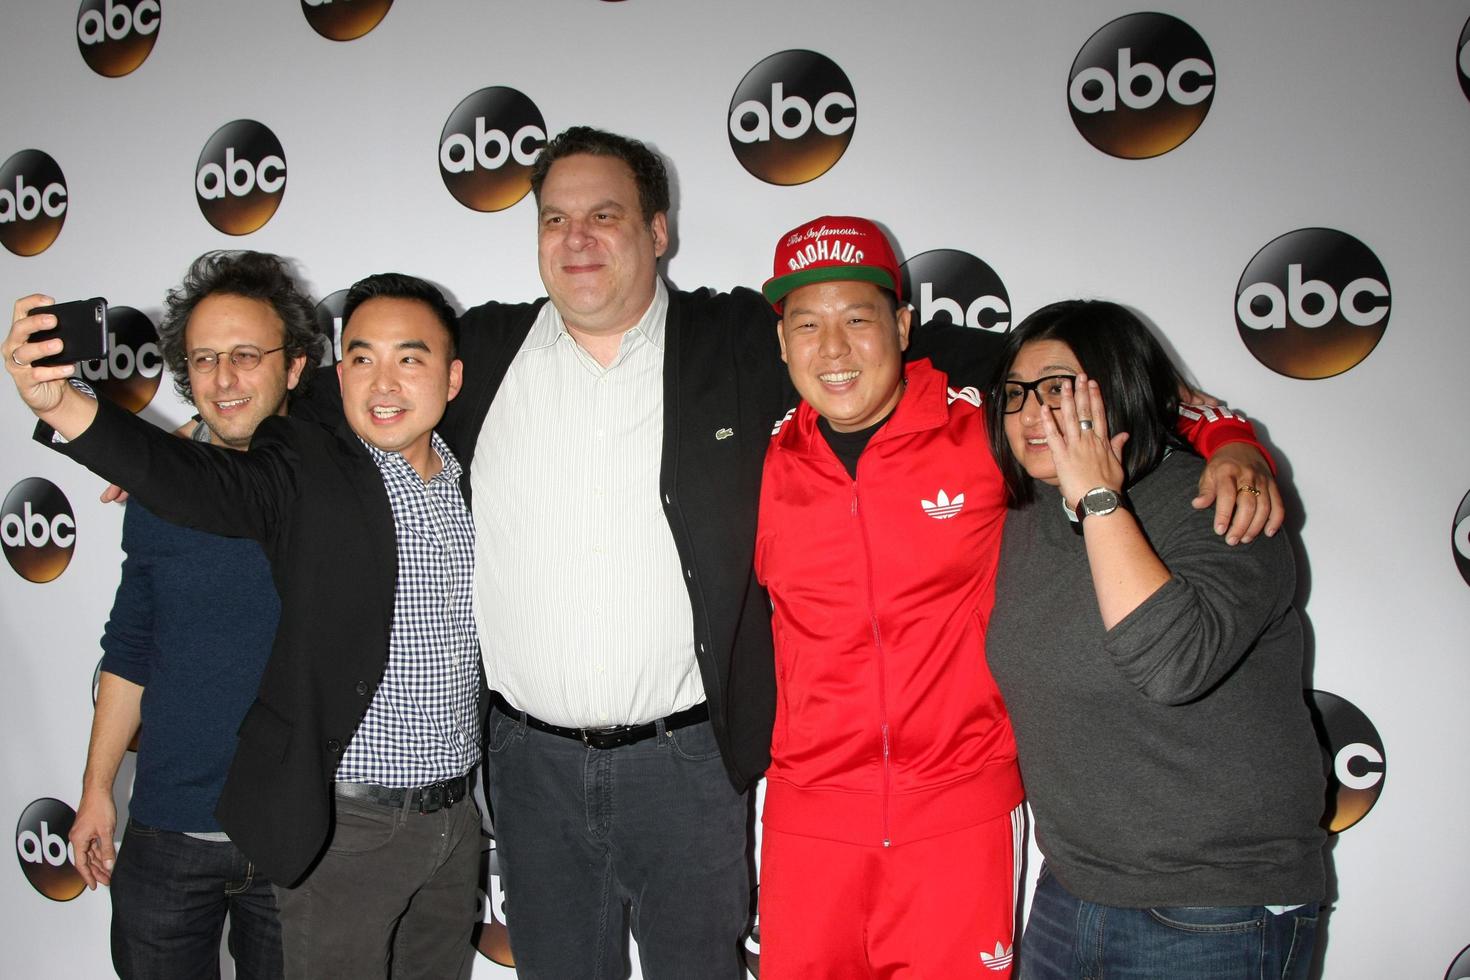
pixel 722 434
pixel 941 507
pixel 999 960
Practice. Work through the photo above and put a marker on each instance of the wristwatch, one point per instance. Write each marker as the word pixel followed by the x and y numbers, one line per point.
pixel 1098 501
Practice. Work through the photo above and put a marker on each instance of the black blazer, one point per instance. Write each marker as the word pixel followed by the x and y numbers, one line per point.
pixel 314 499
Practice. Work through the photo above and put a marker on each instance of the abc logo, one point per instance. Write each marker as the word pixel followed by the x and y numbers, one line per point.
pixel 493 940
pixel 488 145
pixel 1460 969
pixel 1460 538
pixel 115 36
pixel 344 20
pixel 32 202
pixel 329 322
pixel 37 529
pixel 1141 86
pixel 1462 59
pixel 1355 756
pixel 1313 303
pixel 750 949
pixel 130 373
pixel 46 858
pixel 791 117
pixel 240 177
pixel 947 284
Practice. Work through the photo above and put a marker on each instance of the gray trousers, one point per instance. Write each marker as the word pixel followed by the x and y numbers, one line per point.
pixel 395 895
pixel 593 842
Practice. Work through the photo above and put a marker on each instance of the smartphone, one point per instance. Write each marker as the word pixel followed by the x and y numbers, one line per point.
pixel 82 327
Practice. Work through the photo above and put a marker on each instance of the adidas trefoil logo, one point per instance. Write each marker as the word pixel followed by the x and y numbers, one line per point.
pixel 998 960
pixel 942 507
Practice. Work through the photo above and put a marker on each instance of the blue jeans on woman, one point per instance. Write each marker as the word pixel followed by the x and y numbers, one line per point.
pixel 170 896
pixel 1067 938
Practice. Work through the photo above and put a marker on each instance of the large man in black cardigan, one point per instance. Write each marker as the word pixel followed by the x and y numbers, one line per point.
pixel 371 548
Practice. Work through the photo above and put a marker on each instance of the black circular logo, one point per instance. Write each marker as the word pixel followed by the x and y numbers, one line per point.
pixel 45 856
pixel 1357 765
pixel 130 372
pixel 37 529
pixel 1312 303
pixel 115 36
pixel 240 177
pixel 1141 85
pixel 750 947
pixel 947 284
pixel 344 20
pixel 329 322
pixel 792 117
pixel 1460 538
pixel 488 145
pixel 32 202
pixel 1460 969
pixel 492 938
pixel 1462 59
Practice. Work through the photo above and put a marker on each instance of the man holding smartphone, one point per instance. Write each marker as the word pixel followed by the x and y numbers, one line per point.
pixel 351 783
pixel 184 648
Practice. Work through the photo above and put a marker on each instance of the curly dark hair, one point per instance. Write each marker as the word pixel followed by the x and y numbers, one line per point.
pixel 649 172
pixel 398 285
pixel 253 275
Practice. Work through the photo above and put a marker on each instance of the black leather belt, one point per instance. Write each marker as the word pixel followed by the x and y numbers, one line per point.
pixel 606 738
pixel 424 799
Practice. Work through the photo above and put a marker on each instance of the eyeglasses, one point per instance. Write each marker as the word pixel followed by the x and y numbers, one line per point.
pixel 1048 391
pixel 246 357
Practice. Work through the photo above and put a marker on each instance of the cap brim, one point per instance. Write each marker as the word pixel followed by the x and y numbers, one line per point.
pixel 778 288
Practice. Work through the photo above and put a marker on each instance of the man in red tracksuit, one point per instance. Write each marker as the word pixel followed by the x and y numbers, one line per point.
pixel 892 825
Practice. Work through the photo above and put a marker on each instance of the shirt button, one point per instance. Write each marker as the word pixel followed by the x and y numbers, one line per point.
pixel 362 687
pixel 334 746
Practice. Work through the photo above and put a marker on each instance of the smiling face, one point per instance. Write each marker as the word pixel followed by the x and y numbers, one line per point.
pixel 843 344
pixel 397 374
pixel 233 402
pixel 598 257
pixel 1036 359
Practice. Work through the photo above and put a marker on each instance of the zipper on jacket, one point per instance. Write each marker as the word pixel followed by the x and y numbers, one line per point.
pixel 882 672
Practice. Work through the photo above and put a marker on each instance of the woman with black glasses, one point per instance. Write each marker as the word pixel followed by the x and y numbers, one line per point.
pixel 1153 676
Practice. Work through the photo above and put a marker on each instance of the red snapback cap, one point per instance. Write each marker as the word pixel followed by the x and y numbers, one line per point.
pixel 828 249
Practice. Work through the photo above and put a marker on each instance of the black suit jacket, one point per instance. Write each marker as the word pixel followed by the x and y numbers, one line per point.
pixel 314 499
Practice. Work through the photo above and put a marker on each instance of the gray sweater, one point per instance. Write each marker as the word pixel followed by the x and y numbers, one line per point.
pixel 1170 761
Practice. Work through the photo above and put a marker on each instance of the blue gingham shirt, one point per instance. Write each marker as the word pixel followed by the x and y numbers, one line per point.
pixel 423 723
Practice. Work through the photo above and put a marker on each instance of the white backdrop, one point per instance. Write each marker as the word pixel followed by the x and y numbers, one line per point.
pixel 1346 115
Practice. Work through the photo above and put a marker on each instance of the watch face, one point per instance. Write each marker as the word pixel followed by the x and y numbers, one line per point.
pixel 1099 501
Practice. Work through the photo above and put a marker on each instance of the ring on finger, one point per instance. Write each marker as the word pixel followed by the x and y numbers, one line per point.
pixel 1247 488
pixel 15 356
pixel 1085 425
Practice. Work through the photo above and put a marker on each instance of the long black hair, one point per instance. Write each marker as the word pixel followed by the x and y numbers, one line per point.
pixel 1139 382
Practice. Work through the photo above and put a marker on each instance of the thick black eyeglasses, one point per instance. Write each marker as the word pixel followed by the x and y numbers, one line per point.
pixel 1048 391
pixel 246 357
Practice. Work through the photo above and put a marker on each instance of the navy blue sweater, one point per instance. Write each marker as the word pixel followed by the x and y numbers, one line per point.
pixel 192 623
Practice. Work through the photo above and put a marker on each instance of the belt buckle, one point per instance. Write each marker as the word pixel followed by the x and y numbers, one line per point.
pixel 604 738
pixel 432 798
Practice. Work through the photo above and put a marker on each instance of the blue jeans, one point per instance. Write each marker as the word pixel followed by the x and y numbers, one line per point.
pixel 1067 938
pixel 170 895
pixel 593 841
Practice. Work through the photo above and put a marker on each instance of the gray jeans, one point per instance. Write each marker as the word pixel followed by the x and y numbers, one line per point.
pixel 592 842
pixel 394 896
